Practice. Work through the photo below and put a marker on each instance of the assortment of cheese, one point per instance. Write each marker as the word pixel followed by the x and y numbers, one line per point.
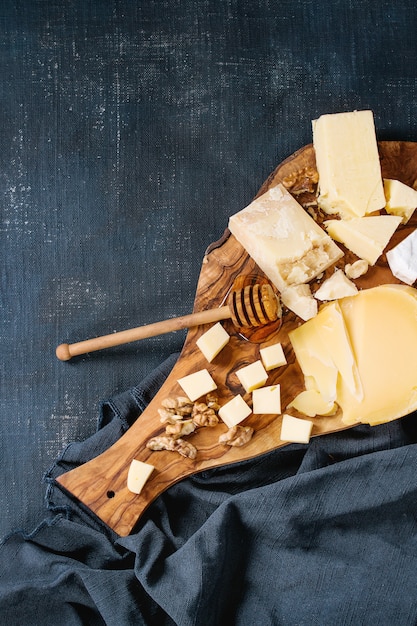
pixel 353 346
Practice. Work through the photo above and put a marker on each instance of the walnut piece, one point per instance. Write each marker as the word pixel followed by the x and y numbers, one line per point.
pixel 180 429
pixel 237 436
pixel 203 415
pixel 163 442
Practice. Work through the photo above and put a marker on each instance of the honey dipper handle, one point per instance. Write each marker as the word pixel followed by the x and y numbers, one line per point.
pixel 66 351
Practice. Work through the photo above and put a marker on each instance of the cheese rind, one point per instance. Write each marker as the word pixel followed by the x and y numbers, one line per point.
pixel 213 341
pixel 283 239
pixel 234 411
pixel 400 199
pixel 350 181
pixel 197 384
pixel 295 430
pixel 366 237
pixel 138 474
pixel 402 259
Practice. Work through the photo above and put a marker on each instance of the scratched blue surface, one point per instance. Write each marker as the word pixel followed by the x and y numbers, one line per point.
pixel 130 132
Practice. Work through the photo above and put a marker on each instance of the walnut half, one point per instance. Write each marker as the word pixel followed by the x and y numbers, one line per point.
pixel 237 436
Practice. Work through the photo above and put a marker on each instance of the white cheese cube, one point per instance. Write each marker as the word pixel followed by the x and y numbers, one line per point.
pixel 336 286
pixel 300 301
pixel 197 384
pixel 295 430
pixel 272 356
pixel 402 259
pixel 234 411
pixel 138 475
pixel 213 341
pixel 252 376
pixel 267 400
pixel 401 199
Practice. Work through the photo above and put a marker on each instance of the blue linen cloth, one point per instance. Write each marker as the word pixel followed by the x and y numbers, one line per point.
pixel 321 534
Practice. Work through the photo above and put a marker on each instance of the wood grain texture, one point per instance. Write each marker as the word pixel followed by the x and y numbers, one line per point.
pixel 100 484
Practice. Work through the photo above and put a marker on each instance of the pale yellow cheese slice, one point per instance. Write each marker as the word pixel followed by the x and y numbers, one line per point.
pixel 366 237
pixel 350 181
pixel 382 325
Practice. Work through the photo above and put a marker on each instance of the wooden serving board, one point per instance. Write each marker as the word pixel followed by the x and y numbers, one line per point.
pixel 100 484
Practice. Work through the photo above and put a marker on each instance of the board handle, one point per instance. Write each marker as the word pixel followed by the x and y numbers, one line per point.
pixel 66 351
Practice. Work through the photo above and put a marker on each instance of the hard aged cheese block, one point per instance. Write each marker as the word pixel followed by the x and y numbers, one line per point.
pixel 283 239
pixel 300 300
pixel 400 199
pixel 213 341
pixel 366 237
pixel 402 259
pixel 350 181
pixel 382 325
pixel 138 474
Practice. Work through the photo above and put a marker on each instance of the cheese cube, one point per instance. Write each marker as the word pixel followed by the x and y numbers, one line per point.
pixel 267 400
pixel 336 286
pixel 364 236
pixel 300 301
pixel 272 356
pixel 234 411
pixel 283 239
pixel 402 259
pixel 197 384
pixel 213 341
pixel 401 199
pixel 295 430
pixel 350 181
pixel 138 475
pixel 252 376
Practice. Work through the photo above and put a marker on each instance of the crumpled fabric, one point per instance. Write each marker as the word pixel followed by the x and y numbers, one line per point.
pixel 321 534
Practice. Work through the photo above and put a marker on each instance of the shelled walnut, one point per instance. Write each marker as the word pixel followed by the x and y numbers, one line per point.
pixel 237 436
pixel 165 442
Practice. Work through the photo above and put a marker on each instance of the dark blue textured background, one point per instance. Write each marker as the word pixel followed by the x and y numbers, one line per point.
pixel 130 131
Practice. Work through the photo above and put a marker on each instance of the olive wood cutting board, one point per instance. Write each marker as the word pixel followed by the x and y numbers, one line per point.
pixel 101 484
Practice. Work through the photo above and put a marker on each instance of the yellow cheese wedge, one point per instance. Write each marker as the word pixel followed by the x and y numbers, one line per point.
pixel 310 403
pixel 350 181
pixel 366 237
pixel 323 349
pixel 382 325
pixel 283 239
pixel 401 199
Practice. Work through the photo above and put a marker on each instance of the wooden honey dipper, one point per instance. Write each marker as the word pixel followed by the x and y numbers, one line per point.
pixel 254 305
